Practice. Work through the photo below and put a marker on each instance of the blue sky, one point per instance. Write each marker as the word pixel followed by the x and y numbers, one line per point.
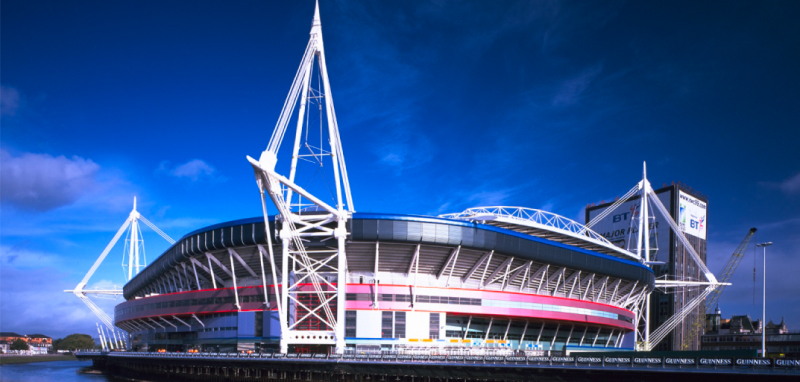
pixel 441 105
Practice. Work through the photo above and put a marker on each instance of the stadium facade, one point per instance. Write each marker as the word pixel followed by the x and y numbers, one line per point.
pixel 416 283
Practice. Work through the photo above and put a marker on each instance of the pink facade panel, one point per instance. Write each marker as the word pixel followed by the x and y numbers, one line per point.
pixel 501 304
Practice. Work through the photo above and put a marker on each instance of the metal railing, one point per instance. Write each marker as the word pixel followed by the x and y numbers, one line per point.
pixel 788 366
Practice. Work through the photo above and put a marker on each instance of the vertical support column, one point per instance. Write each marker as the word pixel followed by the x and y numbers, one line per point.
pixel 645 216
pixel 264 280
pixel 569 336
pixel 488 329
pixel 416 275
pixel 196 278
pixel 505 335
pixel 333 130
pixel 107 338
pixel 186 276
pixel 647 322
pixel 453 266
pixel 583 337
pixel 541 281
pixel 469 322
pixel 116 340
pixel 485 268
pixel 525 276
pixel 553 342
pixel 596 336
pixel 285 291
pixel 539 337
pixel 298 133
pixel 341 284
pixel 505 276
pixel 102 340
pixel 522 337
pixel 375 275
pixel 233 276
pixel 131 250
pixel 211 270
pixel 646 219
pixel 135 238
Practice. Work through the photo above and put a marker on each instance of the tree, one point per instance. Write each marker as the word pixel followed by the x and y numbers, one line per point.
pixel 19 344
pixel 74 341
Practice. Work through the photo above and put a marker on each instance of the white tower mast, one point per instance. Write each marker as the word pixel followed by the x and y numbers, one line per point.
pixel 131 224
pixel 331 224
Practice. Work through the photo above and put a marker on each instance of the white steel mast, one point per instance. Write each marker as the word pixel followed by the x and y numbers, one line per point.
pixel 131 224
pixel 647 341
pixel 329 222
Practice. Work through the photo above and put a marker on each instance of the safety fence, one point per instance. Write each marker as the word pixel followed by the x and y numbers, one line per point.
pixel 573 360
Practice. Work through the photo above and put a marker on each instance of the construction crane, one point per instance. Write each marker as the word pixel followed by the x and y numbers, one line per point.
pixel 727 272
pixel 711 302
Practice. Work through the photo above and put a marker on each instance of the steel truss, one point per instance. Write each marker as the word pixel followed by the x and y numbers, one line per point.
pixel 538 219
pixel 132 252
pixel 320 266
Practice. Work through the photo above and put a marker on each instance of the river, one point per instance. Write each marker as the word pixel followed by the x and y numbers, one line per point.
pixel 60 371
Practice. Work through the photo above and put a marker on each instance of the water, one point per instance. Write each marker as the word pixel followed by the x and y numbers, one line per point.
pixel 60 371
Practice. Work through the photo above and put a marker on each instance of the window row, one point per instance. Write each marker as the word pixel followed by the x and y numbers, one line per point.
pixel 189 302
pixel 426 299
pixel 420 299
pixel 220 329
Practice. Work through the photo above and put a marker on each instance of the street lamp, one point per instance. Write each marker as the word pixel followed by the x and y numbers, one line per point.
pixel 764 303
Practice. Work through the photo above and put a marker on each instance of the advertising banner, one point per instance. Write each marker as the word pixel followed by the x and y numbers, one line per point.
pixel 621 227
pixel 692 215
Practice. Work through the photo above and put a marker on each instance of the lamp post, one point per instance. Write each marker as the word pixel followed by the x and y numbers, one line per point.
pixel 764 303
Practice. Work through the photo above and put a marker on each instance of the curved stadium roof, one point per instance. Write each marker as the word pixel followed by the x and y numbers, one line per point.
pixel 398 228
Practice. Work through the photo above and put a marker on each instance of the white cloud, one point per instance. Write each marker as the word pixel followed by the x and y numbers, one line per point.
pixel 33 301
pixel 404 149
pixel 791 185
pixel 9 100
pixel 43 182
pixel 570 91
pixel 484 195
pixel 192 170
pixel 21 257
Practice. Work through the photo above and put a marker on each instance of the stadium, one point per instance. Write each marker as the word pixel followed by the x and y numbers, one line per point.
pixel 413 282
pixel 320 277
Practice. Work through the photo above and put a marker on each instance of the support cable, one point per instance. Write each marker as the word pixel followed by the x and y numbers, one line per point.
pixel 613 207
pixel 157 230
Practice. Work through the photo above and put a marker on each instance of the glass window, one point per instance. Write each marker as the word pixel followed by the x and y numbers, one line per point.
pixel 434 325
pixel 350 323
pixel 386 325
pixel 399 324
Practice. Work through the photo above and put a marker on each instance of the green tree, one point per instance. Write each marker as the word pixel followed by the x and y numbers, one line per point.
pixel 19 344
pixel 73 342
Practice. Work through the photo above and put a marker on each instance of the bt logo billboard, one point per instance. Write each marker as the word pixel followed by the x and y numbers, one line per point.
pixel 624 216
